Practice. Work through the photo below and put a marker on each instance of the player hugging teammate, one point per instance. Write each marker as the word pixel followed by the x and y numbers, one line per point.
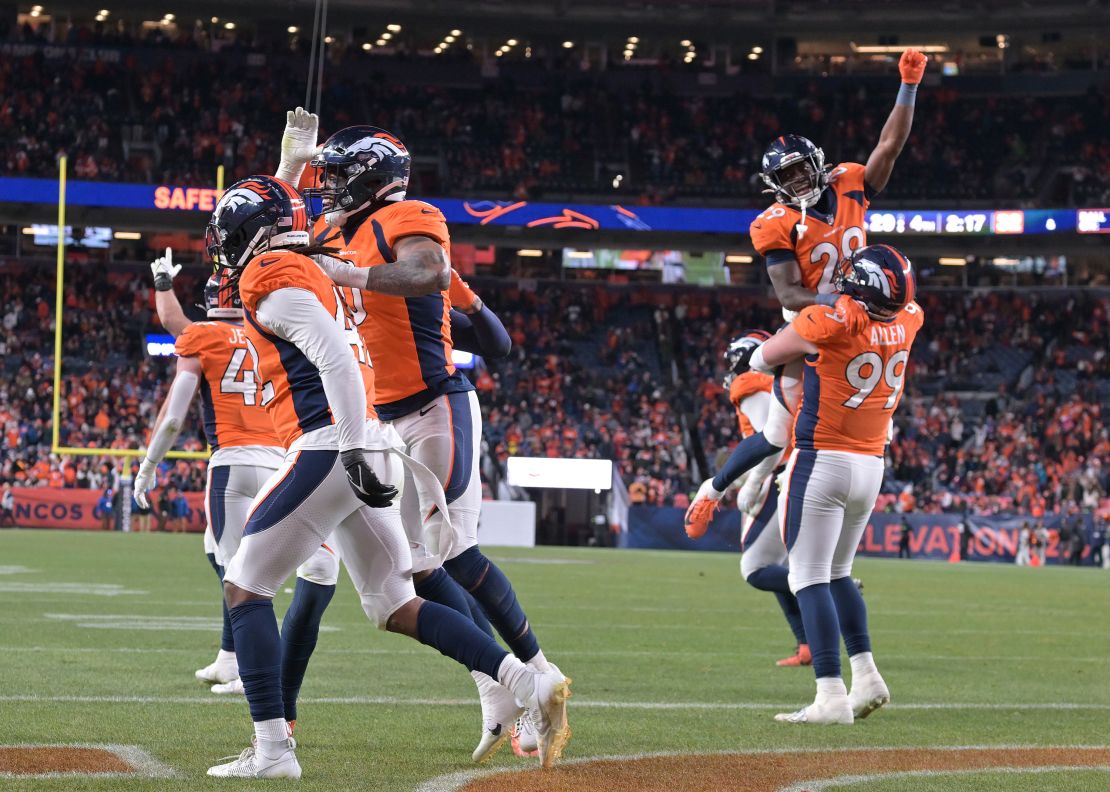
pixel 814 241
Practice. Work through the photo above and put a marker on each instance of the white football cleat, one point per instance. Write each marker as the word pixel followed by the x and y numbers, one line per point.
pixel 525 741
pixel 547 709
pixel 499 710
pixel 222 670
pixel 252 764
pixel 869 693
pixel 232 688
pixel 826 710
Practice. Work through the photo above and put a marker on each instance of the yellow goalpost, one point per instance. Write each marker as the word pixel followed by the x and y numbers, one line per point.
pixel 59 307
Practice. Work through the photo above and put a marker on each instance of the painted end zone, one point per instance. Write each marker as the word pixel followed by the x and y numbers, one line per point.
pixel 93 761
pixel 772 771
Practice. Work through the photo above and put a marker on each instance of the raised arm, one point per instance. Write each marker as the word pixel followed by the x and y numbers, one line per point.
pixel 166 303
pixel 167 426
pixel 782 348
pixel 421 267
pixel 896 130
pixel 786 278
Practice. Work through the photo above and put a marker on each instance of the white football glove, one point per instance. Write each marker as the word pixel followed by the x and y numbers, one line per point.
pixel 341 271
pixel 164 271
pixel 750 497
pixel 298 144
pixel 144 482
pixel 707 490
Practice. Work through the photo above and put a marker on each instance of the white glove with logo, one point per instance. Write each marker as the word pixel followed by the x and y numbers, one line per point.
pixel 144 482
pixel 298 144
pixel 164 271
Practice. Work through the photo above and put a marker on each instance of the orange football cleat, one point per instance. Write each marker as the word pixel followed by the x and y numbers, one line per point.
pixel 800 658
pixel 699 515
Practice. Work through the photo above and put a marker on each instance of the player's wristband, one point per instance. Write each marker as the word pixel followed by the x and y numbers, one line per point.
pixel 907 94
pixel 828 300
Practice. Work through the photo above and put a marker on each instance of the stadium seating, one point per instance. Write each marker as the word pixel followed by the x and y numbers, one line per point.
pixel 174 121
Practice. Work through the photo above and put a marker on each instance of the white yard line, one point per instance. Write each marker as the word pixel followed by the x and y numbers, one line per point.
pixel 578 703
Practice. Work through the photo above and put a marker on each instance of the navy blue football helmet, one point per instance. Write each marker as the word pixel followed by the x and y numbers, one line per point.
pixel 740 350
pixel 254 215
pixel 356 168
pixel 878 276
pixel 794 170
pixel 221 301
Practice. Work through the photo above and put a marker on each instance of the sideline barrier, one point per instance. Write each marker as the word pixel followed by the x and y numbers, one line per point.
pixel 49 507
pixel 933 536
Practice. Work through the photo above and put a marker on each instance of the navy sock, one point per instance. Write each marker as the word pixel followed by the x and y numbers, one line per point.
pixel 751 451
pixel 299 630
pixel 822 629
pixel 259 655
pixel 457 637
pixel 493 591
pixel 851 612
pixel 773 578
pixel 478 616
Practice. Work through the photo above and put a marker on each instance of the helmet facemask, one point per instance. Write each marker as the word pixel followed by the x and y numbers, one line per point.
pixel 799 180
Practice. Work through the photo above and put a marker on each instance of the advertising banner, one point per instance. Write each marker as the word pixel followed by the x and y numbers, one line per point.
pixel 81 509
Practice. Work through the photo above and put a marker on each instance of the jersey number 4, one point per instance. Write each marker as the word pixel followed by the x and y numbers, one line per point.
pixel 893 374
pixel 236 379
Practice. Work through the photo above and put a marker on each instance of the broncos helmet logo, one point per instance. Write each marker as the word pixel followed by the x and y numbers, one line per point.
pixel 877 277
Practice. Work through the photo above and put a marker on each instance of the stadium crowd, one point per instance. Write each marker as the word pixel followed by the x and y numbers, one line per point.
pixel 1003 407
pixel 174 121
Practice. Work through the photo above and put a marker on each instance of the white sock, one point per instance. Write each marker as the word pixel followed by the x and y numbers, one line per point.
pixel 272 737
pixel 539 662
pixel 831 686
pixel 518 678
pixel 227 658
pixel 862 663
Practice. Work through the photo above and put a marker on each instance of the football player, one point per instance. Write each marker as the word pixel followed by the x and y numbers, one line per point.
pixel 763 563
pixel 852 384
pixel 394 256
pixel 816 223
pixel 213 358
pixel 340 473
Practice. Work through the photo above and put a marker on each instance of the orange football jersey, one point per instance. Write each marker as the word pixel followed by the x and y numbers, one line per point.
pixel 409 338
pixel 230 400
pixel 292 389
pixel 743 386
pixel 852 386
pixel 828 238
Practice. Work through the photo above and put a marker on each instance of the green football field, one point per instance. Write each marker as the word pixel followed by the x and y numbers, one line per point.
pixel 670 653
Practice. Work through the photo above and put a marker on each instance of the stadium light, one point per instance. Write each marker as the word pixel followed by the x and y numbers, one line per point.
pixel 387 36
pixel 633 39
pixel 952 261
pixel 100 17
pixel 329 40
pixel 449 39
pixel 757 50
pixel 127 235
pixel 1005 262
pixel 292 29
pixel 169 17
pixel 104 12
pixel 568 44
pixel 752 56
pixel 736 258
pixel 512 42
pixel 367 46
pixel 229 25
pixel 499 53
pixel 214 20
pixel 35 13
pixel 456 32
pixel 380 42
pixel 393 28
pixel 529 253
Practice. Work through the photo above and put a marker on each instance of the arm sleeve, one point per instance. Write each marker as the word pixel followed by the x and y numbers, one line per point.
pixel 755 408
pixel 297 316
pixel 177 407
pixel 481 333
